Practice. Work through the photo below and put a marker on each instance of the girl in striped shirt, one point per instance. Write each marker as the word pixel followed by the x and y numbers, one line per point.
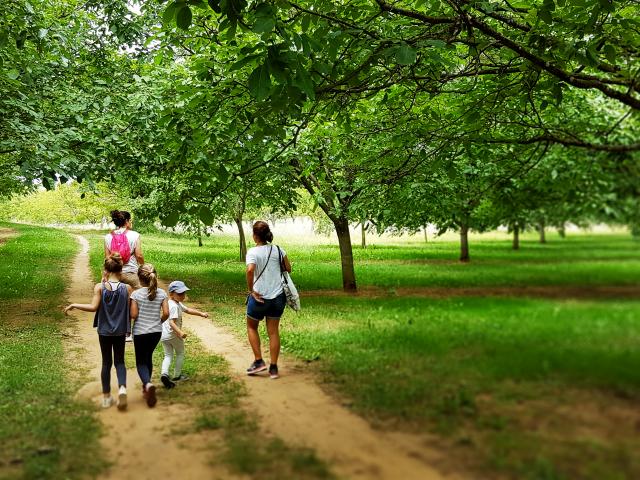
pixel 149 308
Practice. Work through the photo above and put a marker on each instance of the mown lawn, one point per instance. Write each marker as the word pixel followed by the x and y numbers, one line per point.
pixel 530 387
pixel 44 432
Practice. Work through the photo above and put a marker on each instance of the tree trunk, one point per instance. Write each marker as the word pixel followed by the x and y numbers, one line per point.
pixel 243 242
pixel 464 243
pixel 562 230
pixel 346 254
pixel 516 236
pixel 541 226
pixel 199 234
pixel 363 242
pixel 426 239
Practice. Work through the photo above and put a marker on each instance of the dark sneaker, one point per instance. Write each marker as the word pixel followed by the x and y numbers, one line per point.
pixel 151 395
pixel 257 367
pixel 180 378
pixel 273 371
pixel 166 381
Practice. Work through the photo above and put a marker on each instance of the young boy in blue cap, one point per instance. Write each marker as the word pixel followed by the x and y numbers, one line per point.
pixel 172 334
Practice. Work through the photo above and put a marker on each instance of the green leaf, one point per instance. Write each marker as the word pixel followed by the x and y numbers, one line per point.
pixel 260 82
pixel 206 216
pixel 303 82
pixel 171 220
pixel 405 55
pixel 184 17
pixel 215 6
pixel 13 74
pixel 170 12
pixel 243 61
pixel 264 24
pixel 306 20
pixel 556 90
pixel 544 14
pixel 610 53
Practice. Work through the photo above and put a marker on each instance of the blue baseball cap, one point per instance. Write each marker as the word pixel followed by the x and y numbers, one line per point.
pixel 178 287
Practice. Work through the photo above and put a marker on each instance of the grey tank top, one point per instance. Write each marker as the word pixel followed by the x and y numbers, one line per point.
pixel 112 318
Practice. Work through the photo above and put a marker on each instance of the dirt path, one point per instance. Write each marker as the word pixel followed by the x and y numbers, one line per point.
pixel 6 234
pixel 138 442
pixel 297 410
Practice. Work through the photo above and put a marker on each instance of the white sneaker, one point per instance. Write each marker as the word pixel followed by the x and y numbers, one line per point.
pixel 122 398
pixel 129 338
pixel 107 401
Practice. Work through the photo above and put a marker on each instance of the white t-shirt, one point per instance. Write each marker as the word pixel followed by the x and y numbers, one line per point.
pixel 175 314
pixel 132 265
pixel 269 285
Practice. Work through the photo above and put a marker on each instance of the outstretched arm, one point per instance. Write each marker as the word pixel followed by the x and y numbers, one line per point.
pixel 193 311
pixel 88 307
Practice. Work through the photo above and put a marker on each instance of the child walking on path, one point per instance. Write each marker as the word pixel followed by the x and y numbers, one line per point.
pixel 149 308
pixel 172 334
pixel 111 303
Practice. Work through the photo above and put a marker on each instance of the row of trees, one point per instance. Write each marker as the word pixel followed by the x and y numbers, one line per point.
pixel 466 115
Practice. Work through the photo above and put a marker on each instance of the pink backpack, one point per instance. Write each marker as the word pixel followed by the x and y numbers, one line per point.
pixel 120 244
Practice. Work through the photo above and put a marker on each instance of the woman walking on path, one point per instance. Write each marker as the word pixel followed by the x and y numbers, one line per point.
pixel 126 242
pixel 266 296
pixel 111 302
pixel 149 308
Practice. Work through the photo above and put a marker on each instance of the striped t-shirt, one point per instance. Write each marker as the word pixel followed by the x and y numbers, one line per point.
pixel 149 311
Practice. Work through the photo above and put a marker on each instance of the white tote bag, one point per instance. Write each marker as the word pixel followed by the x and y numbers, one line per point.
pixel 290 290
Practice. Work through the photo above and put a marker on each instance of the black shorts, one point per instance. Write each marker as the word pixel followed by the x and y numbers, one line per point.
pixel 271 308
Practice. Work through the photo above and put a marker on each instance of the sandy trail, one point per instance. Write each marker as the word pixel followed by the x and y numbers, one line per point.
pixel 6 234
pixel 138 442
pixel 297 410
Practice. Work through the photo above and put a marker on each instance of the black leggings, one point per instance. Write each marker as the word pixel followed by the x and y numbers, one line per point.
pixel 109 345
pixel 145 345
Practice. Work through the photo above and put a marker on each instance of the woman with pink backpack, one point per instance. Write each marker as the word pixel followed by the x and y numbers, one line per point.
pixel 127 243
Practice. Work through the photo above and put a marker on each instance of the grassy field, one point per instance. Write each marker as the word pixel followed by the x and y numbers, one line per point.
pixel 44 433
pixel 528 387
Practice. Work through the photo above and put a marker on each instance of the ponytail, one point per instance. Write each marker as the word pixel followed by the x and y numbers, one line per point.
pixel 149 278
pixel 262 231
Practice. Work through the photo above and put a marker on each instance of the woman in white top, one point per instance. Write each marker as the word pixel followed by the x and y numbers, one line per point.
pixel 131 252
pixel 266 297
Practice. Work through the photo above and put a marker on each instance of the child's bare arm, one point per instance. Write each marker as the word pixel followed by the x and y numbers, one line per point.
pixel 88 307
pixel 177 329
pixel 193 311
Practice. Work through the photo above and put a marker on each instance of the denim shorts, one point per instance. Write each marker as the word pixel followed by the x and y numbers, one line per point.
pixel 271 308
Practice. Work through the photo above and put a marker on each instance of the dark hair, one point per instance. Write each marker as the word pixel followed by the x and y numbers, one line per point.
pixel 118 218
pixel 113 263
pixel 262 231
pixel 127 215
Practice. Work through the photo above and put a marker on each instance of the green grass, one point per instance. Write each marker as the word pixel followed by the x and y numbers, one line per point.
pixel 44 433
pixel 505 381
